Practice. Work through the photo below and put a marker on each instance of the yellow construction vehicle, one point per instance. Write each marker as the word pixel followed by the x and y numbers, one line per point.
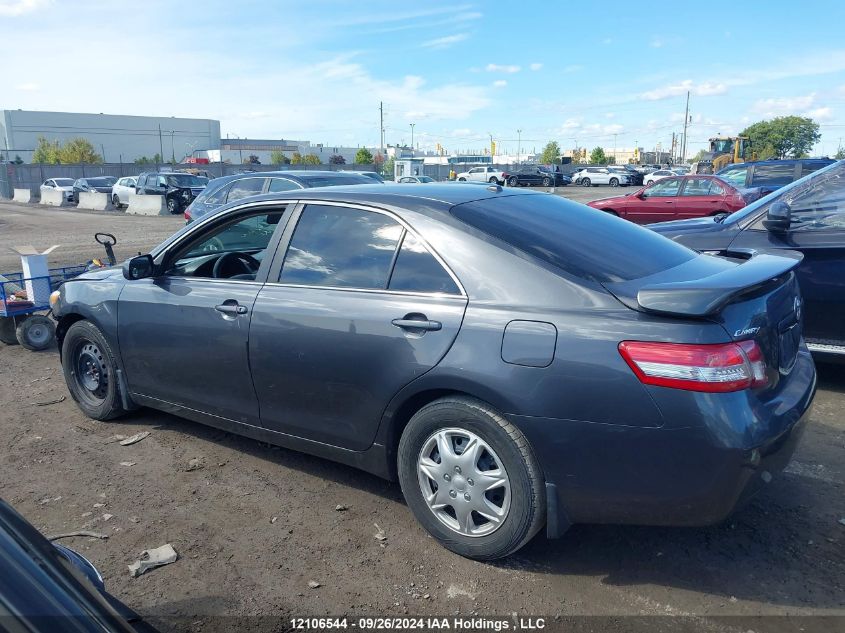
pixel 724 150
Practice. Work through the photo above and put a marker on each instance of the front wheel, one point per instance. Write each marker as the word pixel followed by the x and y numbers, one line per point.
pixel 173 205
pixel 546 182
pixel 36 332
pixel 7 331
pixel 90 371
pixel 585 182
pixel 513 181
pixel 471 479
pixel 614 182
pixel 115 201
pixel 493 181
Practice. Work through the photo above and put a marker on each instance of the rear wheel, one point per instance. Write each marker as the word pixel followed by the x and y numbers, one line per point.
pixel 471 479
pixel 547 182
pixel 36 333
pixel 90 371
pixel 7 331
pixel 115 201
pixel 585 182
pixel 462 179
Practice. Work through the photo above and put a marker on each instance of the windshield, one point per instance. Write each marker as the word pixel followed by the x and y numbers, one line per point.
pixel 106 181
pixel 425 179
pixel 797 195
pixel 63 182
pixel 330 181
pixel 186 180
pixel 722 146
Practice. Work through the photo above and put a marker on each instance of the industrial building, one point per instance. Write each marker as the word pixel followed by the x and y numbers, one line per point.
pixel 119 138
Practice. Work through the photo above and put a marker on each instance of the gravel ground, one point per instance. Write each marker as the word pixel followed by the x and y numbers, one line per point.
pixel 254 524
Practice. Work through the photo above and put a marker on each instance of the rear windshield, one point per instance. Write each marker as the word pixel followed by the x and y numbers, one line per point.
pixel 329 181
pixel 105 181
pixel 186 180
pixel 579 240
pixel 63 182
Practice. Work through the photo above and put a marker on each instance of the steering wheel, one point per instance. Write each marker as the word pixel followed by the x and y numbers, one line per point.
pixel 247 263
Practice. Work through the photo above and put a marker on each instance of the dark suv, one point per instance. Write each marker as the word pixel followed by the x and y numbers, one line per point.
pixel 179 189
pixel 770 175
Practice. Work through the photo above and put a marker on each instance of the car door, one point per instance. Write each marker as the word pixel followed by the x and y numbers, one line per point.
pixel 655 203
pixel 355 308
pixel 817 229
pixel 696 198
pixel 183 333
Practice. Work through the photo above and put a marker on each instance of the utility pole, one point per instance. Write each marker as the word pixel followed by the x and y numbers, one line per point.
pixel 518 145
pixel 172 149
pixel 686 121
pixel 614 148
pixel 381 128
pixel 577 156
pixel 103 152
pixel 412 138
pixel 160 145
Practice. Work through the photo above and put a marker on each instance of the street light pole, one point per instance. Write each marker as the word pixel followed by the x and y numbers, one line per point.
pixel 518 145
pixel 412 138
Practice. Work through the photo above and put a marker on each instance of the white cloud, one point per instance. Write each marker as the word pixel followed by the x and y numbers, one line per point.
pixel 30 86
pixel 572 68
pixel 703 89
pixel 13 8
pixel 802 105
pixel 502 68
pixel 820 114
pixel 536 66
pixel 571 124
pixel 500 83
pixel 656 43
pixel 445 42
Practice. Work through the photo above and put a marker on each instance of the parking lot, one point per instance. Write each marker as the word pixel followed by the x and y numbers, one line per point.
pixel 254 524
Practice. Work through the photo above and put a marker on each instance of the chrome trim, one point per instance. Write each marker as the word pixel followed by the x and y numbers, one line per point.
pixel 209 279
pixel 407 293
pixel 826 349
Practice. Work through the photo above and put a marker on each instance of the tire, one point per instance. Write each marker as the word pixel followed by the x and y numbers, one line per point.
pixel 585 182
pixel 462 179
pixel 493 181
pixel 115 200
pixel 36 333
pixel 547 182
pixel 7 331
pixel 513 181
pixel 614 182
pixel 520 497
pixel 96 391
pixel 173 205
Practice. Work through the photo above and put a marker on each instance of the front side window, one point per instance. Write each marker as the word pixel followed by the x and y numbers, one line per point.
pixel 664 188
pixel 817 206
pixel 243 244
pixel 244 188
pixel 282 184
pixel 341 247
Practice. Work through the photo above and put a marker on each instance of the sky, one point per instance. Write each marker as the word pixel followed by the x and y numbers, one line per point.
pixel 585 73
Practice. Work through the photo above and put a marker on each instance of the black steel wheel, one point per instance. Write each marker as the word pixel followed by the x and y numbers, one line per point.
pixel 90 371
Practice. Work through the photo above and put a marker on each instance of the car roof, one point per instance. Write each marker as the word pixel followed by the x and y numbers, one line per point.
pixel 300 175
pixel 826 161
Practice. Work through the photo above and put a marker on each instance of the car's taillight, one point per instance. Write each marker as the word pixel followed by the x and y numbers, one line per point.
pixel 713 368
pixel 505 175
pixel 188 214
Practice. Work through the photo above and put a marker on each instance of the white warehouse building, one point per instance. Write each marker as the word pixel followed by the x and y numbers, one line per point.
pixel 119 138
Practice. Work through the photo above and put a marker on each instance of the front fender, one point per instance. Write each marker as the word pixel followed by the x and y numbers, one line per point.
pixel 94 300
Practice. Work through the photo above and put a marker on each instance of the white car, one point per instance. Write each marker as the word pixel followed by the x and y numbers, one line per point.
pixel 62 184
pixel 121 191
pixel 591 176
pixel 660 173
pixel 483 174
pixel 415 179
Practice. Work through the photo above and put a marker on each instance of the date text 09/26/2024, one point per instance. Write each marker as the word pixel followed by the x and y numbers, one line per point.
pixel 419 623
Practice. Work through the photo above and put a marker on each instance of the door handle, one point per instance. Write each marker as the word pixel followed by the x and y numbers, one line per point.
pixel 417 324
pixel 231 308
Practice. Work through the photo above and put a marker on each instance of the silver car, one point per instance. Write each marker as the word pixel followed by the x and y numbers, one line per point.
pixel 62 184
pixel 121 191
pixel 591 176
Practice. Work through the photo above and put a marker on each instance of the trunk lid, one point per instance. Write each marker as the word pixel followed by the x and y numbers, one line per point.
pixel 752 295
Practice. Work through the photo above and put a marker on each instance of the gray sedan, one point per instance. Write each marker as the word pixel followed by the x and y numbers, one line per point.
pixel 516 360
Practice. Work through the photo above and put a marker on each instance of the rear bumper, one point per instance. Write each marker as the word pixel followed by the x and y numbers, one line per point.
pixel 686 476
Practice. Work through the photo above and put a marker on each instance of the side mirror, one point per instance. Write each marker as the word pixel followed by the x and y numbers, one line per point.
pixel 778 217
pixel 139 267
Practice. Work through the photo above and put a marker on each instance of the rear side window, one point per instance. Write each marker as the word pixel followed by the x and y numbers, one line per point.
pixel 417 270
pixel 735 176
pixel 778 174
pixel 341 247
pixel 808 167
pixel 215 196
pixel 697 187
pixel 578 240
pixel 244 188
pixel 282 184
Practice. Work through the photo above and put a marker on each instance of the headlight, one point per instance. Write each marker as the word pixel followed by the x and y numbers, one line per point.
pixel 54 298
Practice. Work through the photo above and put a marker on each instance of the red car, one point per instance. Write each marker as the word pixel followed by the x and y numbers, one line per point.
pixel 678 198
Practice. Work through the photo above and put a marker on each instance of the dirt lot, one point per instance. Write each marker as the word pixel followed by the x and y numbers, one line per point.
pixel 254 524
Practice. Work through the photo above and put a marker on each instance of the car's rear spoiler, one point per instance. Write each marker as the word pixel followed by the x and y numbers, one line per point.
pixel 705 284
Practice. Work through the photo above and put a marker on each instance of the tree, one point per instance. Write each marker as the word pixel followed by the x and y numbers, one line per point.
pixel 277 157
pixel 312 159
pixel 337 159
pixel 143 160
pixel 839 155
pixel 46 152
pixel 363 157
pixel 296 158
pixel 597 156
pixel 550 154
pixel 79 150
pixel 389 167
pixel 698 157
pixel 782 136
